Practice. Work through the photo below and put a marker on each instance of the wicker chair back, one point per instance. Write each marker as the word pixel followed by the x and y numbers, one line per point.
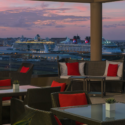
pixel 40 98
pixel 55 98
pixel 40 117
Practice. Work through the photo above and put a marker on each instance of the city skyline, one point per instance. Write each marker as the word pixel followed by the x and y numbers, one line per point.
pixel 58 19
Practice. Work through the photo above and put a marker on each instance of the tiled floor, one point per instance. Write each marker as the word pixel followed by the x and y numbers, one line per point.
pixel 118 97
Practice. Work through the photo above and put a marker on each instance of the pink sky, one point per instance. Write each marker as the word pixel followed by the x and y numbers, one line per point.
pixel 58 19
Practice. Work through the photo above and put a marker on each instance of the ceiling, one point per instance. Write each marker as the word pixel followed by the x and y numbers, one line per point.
pixel 81 1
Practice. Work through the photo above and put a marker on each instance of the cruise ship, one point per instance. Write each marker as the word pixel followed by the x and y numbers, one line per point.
pixel 75 45
pixel 35 45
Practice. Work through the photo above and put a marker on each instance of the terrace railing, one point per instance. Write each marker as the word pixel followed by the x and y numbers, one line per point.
pixel 45 63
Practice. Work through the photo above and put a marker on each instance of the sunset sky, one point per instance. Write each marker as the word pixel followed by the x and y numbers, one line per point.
pixel 58 19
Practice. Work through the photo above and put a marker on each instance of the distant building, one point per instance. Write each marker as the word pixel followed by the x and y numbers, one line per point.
pixel 57 40
pixel 37 38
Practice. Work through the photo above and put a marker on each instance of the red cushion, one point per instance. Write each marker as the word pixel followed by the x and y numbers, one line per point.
pixel 112 70
pixel 72 99
pixel 73 68
pixel 62 85
pixel 58 121
pixel 79 123
pixel 24 69
pixel 6 82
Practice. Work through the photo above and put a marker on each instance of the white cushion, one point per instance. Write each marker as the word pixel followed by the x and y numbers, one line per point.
pixel 112 78
pixel 6 103
pixel 81 68
pixel 64 77
pixel 120 70
pixel 120 67
pixel 63 68
pixel 96 76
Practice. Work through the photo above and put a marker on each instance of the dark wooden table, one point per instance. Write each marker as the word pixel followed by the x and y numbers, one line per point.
pixel 79 78
pixel 8 91
pixel 103 86
pixel 93 114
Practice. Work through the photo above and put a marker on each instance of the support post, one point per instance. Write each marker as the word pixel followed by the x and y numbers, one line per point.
pixel 96 31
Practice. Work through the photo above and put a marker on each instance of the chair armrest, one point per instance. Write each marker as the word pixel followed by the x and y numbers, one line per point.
pixel 69 86
pixel 17 109
pixel 4 74
pixel 18 74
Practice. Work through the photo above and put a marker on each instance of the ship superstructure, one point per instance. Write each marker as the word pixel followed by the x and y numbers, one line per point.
pixel 36 44
pixel 77 46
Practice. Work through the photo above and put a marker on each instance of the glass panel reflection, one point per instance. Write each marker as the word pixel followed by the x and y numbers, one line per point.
pixel 98 112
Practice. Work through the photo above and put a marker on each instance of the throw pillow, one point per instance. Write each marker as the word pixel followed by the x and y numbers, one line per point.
pixel 81 68
pixel 73 68
pixel 120 67
pixel 112 70
pixel 63 69
pixel 58 121
pixel 5 82
pixel 56 84
pixel 72 99
pixel 24 69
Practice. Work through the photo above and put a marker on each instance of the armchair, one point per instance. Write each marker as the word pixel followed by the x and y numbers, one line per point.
pixel 23 78
pixel 55 97
pixel 34 116
pixel 39 98
pixel 56 103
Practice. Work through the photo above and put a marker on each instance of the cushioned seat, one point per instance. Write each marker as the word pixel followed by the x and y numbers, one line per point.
pixel 64 77
pixel 68 76
pixel 6 103
pixel 112 78
pixel 95 76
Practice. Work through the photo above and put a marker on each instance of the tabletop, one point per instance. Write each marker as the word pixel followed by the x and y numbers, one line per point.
pixel 77 77
pixel 95 77
pixel 94 113
pixel 23 88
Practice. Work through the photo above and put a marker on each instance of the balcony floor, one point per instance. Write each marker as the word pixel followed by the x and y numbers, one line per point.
pixel 119 97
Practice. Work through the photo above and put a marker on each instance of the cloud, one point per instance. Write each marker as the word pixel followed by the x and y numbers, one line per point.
pixel 113 25
pixel 28 17
pixel 82 26
pixel 81 8
pixel 21 23
pixel 44 5
pixel 29 28
pixel 3 29
pixel 109 26
pixel 61 4
pixel 59 26
pixel 31 17
pixel 17 3
pixel 114 19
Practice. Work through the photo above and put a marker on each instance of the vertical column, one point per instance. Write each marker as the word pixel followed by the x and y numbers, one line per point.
pixel 96 31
